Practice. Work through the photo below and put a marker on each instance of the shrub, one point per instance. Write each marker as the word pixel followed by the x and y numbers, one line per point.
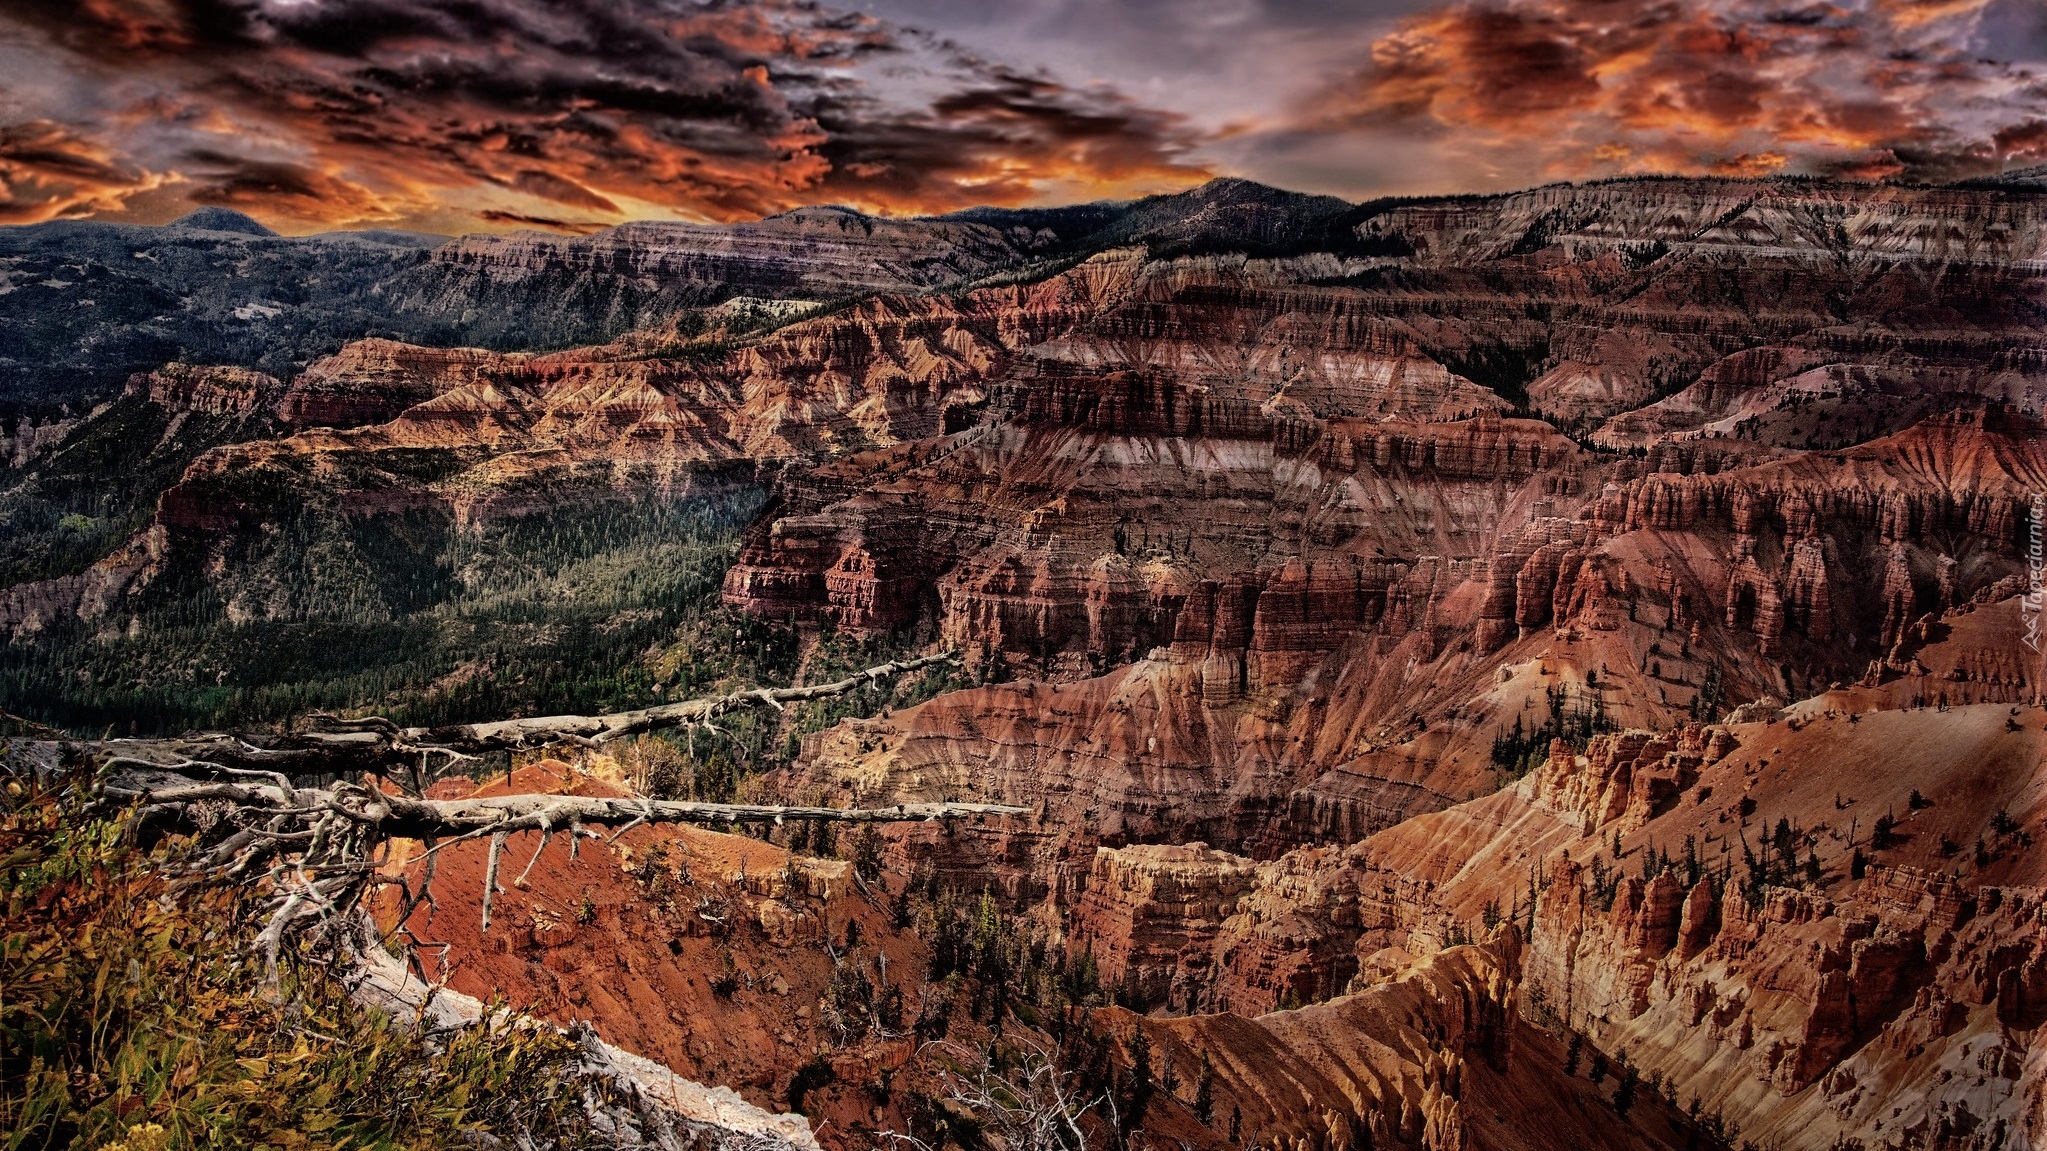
pixel 134 1014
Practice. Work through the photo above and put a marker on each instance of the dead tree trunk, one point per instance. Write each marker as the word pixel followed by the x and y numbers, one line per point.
pixel 326 744
pixel 317 846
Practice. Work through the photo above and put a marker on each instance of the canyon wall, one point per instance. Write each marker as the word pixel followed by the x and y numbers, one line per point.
pixel 1461 656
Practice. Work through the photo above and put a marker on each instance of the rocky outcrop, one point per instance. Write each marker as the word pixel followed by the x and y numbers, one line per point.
pixel 29 437
pixel 1389 1066
pixel 91 594
pixel 1017 540
pixel 371 381
pixel 1725 216
pixel 1631 777
pixel 1900 597
pixel 1829 983
pixel 1149 916
pixel 1892 504
pixel 1808 599
pixel 1093 564
pixel 1964 472
pixel 1712 903
pixel 204 390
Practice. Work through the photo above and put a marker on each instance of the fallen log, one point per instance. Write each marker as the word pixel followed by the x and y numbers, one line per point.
pixel 331 745
pixel 429 818
pixel 317 845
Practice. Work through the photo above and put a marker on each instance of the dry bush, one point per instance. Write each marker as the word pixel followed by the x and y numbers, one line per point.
pixel 655 767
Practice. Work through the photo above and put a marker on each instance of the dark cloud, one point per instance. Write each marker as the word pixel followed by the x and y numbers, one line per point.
pixel 292 190
pixel 515 219
pixel 378 110
pixel 996 139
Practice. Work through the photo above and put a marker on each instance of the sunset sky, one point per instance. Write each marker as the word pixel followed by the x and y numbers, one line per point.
pixel 467 115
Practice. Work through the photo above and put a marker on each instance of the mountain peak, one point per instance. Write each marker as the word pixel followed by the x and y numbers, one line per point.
pixel 1232 185
pixel 1236 189
pixel 821 212
pixel 220 220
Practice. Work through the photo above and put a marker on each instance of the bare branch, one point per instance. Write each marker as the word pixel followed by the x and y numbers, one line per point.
pixel 324 838
pixel 490 875
pixel 329 744
pixel 546 837
pixel 1029 1108
pixel 319 843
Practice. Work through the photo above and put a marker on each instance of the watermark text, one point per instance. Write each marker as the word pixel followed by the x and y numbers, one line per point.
pixel 2036 575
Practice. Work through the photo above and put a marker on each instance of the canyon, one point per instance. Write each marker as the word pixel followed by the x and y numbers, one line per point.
pixel 1522 671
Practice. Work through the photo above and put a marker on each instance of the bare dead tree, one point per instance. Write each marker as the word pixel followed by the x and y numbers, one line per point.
pixel 326 744
pixel 320 849
pixel 1030 1107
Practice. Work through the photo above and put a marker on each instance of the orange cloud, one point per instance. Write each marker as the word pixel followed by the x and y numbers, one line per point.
pixel 383 111
pixel 292 190
pixel 1573 88
pixel 48 171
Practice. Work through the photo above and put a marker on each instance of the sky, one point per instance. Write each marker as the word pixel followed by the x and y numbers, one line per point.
pixel 490 115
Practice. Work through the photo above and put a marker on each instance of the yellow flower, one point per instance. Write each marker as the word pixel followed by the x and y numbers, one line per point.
pixel 142 1137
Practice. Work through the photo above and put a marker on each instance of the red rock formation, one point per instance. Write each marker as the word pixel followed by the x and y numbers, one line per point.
pixel 1808 598
pixel 1413 1062
pixel 1031 556
pixel 1646 918
pixel 1149 916
pixel 635 936
pixel 1833 996
pixel 215 391
pixel 371 381
pixel 1631 777
pixel 1900 597
pixel 819 252
pixel 1698 920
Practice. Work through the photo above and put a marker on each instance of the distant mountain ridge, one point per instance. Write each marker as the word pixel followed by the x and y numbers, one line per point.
pixel 220 220
pixel 85 304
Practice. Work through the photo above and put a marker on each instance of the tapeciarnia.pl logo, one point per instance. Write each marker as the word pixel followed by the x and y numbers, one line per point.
pixel 2036 575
